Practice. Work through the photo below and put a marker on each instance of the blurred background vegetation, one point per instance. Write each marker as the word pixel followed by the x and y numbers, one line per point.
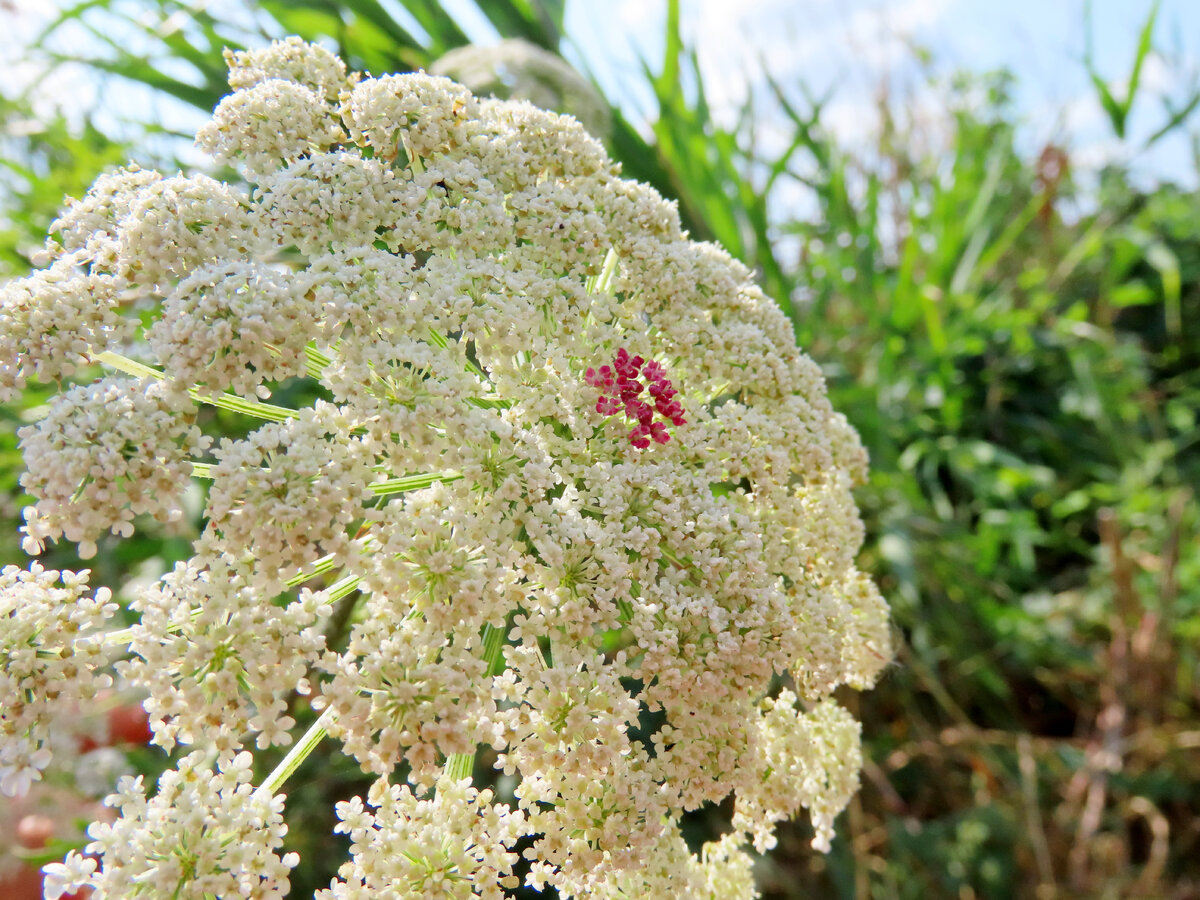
pixel 1018 349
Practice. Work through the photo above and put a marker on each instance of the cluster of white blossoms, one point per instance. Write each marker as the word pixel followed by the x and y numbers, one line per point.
pixel 401 849
pixel 205 833
pixel 107 452
pixel 579 495
pixel 55 658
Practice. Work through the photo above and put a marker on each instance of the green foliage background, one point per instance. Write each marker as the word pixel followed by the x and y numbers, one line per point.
pixel 1027 385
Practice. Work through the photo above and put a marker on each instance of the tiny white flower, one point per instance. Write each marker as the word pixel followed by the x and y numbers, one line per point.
pixel 73 873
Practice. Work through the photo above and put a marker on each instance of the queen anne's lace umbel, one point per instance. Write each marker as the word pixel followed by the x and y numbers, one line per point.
pixel 588 500
pixel 54 659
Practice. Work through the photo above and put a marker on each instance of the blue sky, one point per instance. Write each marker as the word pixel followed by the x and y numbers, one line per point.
pixel 854 47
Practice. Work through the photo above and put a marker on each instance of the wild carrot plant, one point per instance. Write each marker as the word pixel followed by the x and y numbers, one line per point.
pixel 584 500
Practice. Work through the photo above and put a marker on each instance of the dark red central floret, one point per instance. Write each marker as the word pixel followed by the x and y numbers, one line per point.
pixel 621 386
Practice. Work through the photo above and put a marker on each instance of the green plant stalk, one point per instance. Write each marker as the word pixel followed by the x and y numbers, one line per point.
pixel 386 487
pixel 231 402
pixel 602 283
pixel 305 746
pixel 461 765
pixel 335 592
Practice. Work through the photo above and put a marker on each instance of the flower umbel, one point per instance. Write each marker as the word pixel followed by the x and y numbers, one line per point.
pixel 432 539
pixel 54 661
pixel 206 833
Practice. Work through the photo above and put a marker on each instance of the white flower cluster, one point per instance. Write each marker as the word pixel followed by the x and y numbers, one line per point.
pixel 105 453
pixel 271 121
pixel 50 321
pixel 252 322
pixel 204 834
pixel 54 660
pixel 587 501
pixel 220 659
pixel 453 845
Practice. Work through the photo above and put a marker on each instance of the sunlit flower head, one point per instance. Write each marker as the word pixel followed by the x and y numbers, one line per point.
pixel 578 494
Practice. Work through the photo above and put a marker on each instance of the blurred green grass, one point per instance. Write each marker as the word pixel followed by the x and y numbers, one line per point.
pixel 1025 379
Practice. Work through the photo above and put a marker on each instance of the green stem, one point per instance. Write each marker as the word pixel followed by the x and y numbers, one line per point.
pixel 412 482
pixel 461 765
pixel 343 588
pixel 414 161
pixel 335 592
pixel 316 362
pixel 380 488
pixel 440 340
pixel 231 402
pixel 602 283
pixel 683 563
pixel 315 734
pixel 202 469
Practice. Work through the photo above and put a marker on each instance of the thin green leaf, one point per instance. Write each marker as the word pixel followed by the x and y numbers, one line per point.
pixel 1144 47
pixel 1164 261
